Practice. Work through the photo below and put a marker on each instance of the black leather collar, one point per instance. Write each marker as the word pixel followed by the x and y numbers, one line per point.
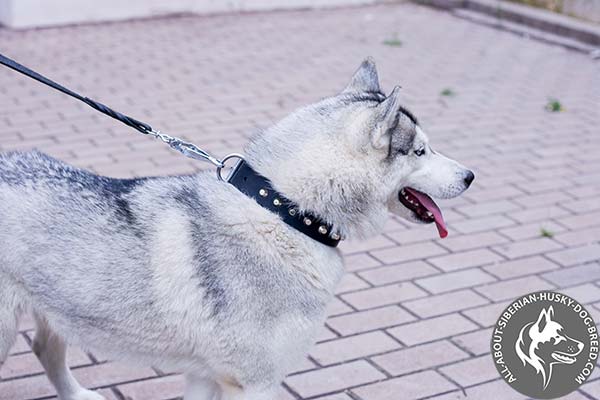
pixel 256 186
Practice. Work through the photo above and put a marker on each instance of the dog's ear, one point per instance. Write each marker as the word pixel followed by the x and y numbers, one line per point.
pixel 544 318
pixel 365 78
pixel 386 120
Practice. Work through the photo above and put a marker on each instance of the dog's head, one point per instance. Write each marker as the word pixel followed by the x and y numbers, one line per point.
pixel 352 157
pixel 544 343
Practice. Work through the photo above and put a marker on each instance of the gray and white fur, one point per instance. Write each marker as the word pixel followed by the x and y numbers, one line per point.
pixel 189 274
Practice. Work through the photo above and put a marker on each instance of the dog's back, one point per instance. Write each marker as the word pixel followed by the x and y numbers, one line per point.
pixel 50 208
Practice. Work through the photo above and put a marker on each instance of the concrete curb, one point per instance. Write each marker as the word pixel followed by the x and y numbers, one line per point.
pixel 531 17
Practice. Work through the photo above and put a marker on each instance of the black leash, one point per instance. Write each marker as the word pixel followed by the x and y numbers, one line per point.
pixel 134 123
pixel 243 177
pixel 186 148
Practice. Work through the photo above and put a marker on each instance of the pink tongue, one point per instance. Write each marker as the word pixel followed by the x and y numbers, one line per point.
pixel 433 208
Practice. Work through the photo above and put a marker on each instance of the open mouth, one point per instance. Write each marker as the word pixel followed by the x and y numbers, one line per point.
pixel 424 208
pixel 563 358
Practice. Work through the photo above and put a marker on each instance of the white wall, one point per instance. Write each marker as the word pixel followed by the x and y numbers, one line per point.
pixel 30 13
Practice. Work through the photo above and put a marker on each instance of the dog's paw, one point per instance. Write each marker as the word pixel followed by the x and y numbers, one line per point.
pixel 86 395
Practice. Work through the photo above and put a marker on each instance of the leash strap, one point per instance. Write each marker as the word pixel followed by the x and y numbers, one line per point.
pixel 185 148
pixel 256 186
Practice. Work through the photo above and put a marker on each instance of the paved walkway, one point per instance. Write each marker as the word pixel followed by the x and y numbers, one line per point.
pixel 412 317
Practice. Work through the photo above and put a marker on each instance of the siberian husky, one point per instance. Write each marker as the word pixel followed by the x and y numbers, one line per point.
pixel 188 273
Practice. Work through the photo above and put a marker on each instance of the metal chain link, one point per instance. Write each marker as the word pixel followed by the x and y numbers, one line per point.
pixel 185 148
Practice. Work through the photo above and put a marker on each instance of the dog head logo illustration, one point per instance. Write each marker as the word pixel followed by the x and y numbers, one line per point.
pixel 544 343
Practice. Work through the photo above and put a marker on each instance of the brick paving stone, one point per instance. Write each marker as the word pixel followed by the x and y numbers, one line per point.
pixel 27 388
pixel 350 282
pixel 472 241
pixel 581 221
pixel 521 267
pixel 488 208
pixel 374 243
pixel 455 280
pixel 420 357
pixel 384 295
pixel 574 275
pixel 331 379
pixel 508 290
pixel 325 334
pixel 585 293
pixel 477 342
pixel 532 230
pixel 377 318
pixel 407 236
pixel 579 237
pixel 415 386
pixel 109 373
pixel 398 272
pixel 27 323
pixel 213 86
pixel 107 393
pixel 540 214
pixel 337 307
pixel 352 347
pixel 482 224
pixel 429 329
pixel 487 315
pixel 163 388
pixel 543 199
pixel 503 192
pixel 576 255
pixel 338 396
pixel 467 259
pixel 20 346
pixel 576 395
pixel 496 390
pixel 445 303
pixel 408 252
pixel 527 247
pixel 592 389
pixel 27 364
pixel 360 261
pixel 471 372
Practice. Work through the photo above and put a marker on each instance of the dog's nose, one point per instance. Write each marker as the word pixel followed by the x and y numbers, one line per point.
pixel 469 178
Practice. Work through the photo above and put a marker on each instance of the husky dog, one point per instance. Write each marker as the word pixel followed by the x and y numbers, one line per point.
pixel 544 343
pixel 190 274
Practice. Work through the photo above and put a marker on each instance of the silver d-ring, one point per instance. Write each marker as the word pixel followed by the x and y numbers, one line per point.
pixel 224 160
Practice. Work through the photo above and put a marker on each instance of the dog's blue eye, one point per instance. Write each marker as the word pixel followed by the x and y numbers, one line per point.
pixel 420 152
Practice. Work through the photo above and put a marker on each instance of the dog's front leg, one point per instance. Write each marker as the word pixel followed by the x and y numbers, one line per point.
pixel 201 389
pixel 51 350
